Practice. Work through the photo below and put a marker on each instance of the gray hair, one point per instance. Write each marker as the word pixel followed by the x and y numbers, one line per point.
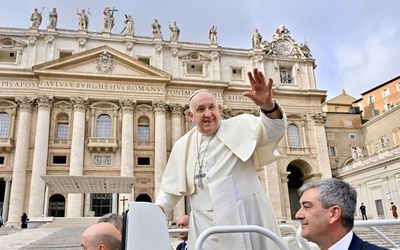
pixel 112 218
pixel 335 192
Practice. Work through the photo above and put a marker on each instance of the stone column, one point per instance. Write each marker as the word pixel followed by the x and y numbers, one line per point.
pixel 36 196
pixel 86 206
pixel 127 153
pixel 17 195
pixel 160 146
pixel 46 201
pixel 74 205
pixel 114 206
pixel 6 201
pixel 322 149
pixel 176 133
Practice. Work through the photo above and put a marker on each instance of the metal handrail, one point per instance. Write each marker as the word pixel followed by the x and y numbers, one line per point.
pixel 372 223
pixel 238 229
pixel 303 242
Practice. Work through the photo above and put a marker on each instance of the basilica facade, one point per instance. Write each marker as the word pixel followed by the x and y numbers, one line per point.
pixel 88 119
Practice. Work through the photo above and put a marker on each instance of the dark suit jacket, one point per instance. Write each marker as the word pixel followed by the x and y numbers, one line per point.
pixel 179 246
pixel 358 244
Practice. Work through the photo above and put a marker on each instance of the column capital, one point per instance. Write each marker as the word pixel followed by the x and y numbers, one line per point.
pixel 226 113
pixel 25 103
pixel 80 103
pixel 7 179
pixel 127 105
pixel 44 102
pixel 176 109
pixel 160 107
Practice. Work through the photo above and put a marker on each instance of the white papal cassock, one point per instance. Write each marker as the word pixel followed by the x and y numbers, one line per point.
pixel 231 193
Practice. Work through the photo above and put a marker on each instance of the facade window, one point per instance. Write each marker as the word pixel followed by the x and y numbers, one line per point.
pixel 59 159
pixel 388 106
pixel 398 87
pixel 65 53
pixel 143 161
pixel 294 136
pixel 62 130
pixel 2 160
pixel 194 69
pixel 286 75
pixel 143 133
pixel 371 99
pixel 331 136
pixel 332 151
pixel 328 122
pixel 103 126
pixel 237 73
pixel 8 56
pixel 385 93
pixel 352 137
pixel 145 60
pixel 5 122
pixel 375 113
pixel 349 123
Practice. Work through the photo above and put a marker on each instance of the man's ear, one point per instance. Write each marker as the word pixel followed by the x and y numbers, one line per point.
pixel 190 115
pixel 219 107
pixel 335 213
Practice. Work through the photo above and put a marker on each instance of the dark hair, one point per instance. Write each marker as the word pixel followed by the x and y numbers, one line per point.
pixel 335 192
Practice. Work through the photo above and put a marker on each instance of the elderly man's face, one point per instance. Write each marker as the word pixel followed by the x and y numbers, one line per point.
pixel 205 112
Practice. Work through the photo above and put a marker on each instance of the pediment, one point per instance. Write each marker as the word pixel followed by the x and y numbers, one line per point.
pixel 8 42
pixel 195 57
pixel 101 62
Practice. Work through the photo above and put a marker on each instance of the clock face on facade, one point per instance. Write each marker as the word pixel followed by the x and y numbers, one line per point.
pixel 283 47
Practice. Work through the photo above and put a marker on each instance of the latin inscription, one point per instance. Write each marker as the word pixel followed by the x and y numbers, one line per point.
pixel 113 87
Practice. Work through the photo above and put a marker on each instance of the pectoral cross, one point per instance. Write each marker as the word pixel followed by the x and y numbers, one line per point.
pixel 200 176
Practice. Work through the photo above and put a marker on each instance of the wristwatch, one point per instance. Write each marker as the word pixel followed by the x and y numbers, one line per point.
pixel 271 110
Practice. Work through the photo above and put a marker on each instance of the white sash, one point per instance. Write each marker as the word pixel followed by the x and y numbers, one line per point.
pixel 227 197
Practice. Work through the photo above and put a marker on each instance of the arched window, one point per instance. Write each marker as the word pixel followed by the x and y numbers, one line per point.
pixel 294 136
pixel 62 126
pixel 143 129
pixel 103 126
pixel 4 125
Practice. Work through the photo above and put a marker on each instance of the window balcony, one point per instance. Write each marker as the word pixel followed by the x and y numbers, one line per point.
pixel 6 144
pixel 97 144
pixel 298 150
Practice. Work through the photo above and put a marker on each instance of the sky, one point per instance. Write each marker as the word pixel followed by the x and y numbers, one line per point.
pixel 356 44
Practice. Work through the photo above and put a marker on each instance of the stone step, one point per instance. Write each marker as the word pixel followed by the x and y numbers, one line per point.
pixel 63 222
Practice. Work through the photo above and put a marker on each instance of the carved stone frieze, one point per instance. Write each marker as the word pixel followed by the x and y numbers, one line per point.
pixel 105 62
pixel 174 52
pixel 49 40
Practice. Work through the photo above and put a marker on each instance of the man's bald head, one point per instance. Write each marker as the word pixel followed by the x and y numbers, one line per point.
pixel 102 235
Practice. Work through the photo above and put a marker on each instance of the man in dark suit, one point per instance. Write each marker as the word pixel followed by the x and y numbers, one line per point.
pixel 183 222
pixel 326 214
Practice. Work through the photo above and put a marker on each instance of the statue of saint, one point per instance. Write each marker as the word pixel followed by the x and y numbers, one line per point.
pixel 108 19
pixel 174 36
pixel 36 18
pixel 83 20
pixel 212 35
pixel 256 39
pixel 53 18
pixel 129 25
pixel 156 29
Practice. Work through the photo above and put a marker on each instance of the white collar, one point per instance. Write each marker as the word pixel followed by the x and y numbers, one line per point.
pixel 343 243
